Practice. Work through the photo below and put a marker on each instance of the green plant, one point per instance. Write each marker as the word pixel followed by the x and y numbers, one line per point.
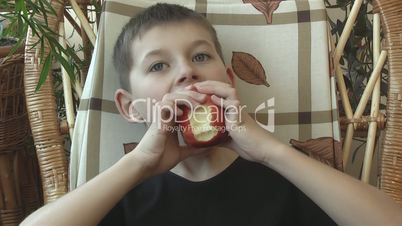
pixel 3 40
pixel 357 60
pixel 22 15
pixel 35 15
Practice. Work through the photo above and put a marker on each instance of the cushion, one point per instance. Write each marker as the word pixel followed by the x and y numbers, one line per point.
pixel 289 90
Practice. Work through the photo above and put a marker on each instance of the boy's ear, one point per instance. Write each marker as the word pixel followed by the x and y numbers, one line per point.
pixel 230 73
pixel 123 100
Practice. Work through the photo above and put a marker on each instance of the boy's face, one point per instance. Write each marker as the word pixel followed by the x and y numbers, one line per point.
pixel 169 57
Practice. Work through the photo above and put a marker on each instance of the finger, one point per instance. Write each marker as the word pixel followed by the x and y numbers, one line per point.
pixel 178 111
pixel 232 109
pixel 229 104
pixel 212 83
pixel 222 91
pixel 165 111
pixel 190 87
pixel 171 102
pixel 180 99
pixel 200 97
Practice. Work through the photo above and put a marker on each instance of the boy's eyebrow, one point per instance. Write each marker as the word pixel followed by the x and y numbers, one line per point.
pixel 192 45
pixel 152 53
pixel 200 42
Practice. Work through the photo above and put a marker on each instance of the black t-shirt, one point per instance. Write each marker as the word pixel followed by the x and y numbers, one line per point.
pixel 245 194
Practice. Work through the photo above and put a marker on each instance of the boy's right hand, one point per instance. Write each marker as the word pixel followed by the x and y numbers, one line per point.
pixel 159 150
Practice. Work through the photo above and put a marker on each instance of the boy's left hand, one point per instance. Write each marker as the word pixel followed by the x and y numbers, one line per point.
pixel 249 138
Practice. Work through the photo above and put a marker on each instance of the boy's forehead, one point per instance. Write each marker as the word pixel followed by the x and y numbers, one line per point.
pixel 184 29
pixel 171 33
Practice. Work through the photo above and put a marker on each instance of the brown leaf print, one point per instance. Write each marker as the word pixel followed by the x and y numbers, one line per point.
pixel 265 7
pixel 248 69
pixel 129 147
pixel 323 149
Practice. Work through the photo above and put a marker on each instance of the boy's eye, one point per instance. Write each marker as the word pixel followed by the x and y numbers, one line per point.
pixel 200 57
pixel 157 67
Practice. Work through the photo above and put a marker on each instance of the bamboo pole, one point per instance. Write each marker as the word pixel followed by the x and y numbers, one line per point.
pixel 345 100
pixel 347 30
pixel 86 48
pixel 370 85
pixel 68 97
pixel 77 84
pixel 78 88
pixel 84 21
pixel 375 105
pixel 73 23
pixel 339 77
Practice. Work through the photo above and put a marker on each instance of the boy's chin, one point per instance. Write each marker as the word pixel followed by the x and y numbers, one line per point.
pixel 226 145
pixel 200 151
pixel 197 150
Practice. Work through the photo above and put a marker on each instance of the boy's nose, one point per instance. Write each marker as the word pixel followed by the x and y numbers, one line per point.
pixel 187 78
pixel 187 75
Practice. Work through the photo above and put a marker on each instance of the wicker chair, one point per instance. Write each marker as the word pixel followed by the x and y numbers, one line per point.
pixel 49 142
pixel 19 180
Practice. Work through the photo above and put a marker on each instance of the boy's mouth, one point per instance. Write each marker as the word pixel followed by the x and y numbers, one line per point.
pixel 203 126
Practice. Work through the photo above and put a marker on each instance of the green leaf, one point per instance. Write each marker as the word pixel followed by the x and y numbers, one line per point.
pixel 333 6
pixel 16 46
pixel 19 5
pixel 71 52
pixel 348 84
pixel 20 25
pixel 67 66
pixel 3 4
pixel 31 24
pixel 384 88
pixel 339 25
pixel 43 12
pixel 343 3
pixel 45 71
pixel 42 47
pixel 356 150
pixel 32 6
pixel 49 7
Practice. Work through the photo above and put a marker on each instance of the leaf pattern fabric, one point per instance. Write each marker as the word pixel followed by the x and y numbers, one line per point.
pixel 265 7
pixel 249 69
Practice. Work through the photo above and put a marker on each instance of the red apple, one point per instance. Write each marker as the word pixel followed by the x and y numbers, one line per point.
pixel 204 125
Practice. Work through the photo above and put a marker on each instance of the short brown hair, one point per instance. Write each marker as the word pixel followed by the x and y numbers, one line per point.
pixel 154 15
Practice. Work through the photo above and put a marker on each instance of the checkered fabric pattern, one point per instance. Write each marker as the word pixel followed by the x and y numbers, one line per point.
pixel 291 46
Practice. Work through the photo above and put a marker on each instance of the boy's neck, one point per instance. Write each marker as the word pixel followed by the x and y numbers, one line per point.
pixel 205 165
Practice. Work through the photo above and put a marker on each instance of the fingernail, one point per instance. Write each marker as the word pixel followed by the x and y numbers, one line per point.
pixel 201 96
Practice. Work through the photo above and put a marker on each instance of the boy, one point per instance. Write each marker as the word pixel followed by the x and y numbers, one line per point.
pixel 171 54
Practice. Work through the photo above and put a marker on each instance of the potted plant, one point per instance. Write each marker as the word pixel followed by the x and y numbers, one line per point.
pixel 357 60
pixel 37 15
pixel 35 23
pixel 6 43
pixel 357 66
